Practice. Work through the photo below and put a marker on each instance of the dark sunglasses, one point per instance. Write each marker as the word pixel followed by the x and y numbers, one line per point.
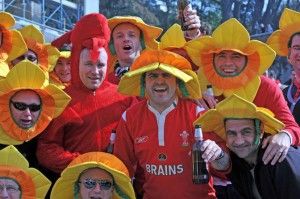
pixel 22 106
pixel 91 184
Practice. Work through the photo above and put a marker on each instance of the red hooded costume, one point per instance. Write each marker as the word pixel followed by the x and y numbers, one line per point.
pixel 86 123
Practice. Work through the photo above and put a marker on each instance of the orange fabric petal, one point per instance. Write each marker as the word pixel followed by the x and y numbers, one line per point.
pixel 249 72
pixel 161 56
pixel 6 45
pixel 13 130
pixel 24 180
pixel 41 52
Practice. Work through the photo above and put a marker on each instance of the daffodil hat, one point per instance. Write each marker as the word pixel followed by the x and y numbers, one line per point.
pixel 233 36
pixel 173 40
pixel 28 76
pixel 235 107
pixel 46 53
pixel 133 82
pixel 289 23
pixel 12 45
pixel 13 165
pixel 66 186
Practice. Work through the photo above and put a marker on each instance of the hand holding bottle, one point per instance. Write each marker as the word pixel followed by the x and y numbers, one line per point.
pixel 211 151
pixel 192 22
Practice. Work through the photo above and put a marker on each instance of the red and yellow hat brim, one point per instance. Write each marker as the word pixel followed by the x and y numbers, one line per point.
pixel 235 107
pixel 169 62
pixel 63 188
pixel 32 182
pixel 289 23
pixel 26 75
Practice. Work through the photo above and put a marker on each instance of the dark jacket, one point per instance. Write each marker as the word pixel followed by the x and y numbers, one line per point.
pixel 288 93
pixel 279 181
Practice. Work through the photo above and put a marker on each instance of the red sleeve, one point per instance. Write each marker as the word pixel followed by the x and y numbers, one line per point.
pixel 270 96
pixel 124 146
pixel 50 151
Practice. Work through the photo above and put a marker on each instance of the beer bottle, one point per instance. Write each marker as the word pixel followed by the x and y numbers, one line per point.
pixel 110 146
pixel 200 172
pixel 181 4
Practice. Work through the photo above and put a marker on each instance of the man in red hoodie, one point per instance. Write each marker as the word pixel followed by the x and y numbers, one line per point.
pixel 86 123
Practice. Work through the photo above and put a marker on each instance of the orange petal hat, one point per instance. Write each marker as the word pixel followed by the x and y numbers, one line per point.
pixel 46 53
pixel 132 81
pixel 231 35
pixel 289 23
pixel 235 107
pixel 64 186
pixel 26 75
pixel 150 33
pixel 32 182
pixel 12 45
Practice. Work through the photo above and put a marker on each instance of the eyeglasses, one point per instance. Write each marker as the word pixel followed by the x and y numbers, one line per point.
pixel 23 106
pixel 91 184
pixel 9 188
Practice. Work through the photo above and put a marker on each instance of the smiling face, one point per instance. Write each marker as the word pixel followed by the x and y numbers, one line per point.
pixel 229 63
pixel 25 108
pixel 161 89
pixel 126 40
pixel 63 70
pixel 241 136
pixel 9 189
pixel 96 184
pixel 91 73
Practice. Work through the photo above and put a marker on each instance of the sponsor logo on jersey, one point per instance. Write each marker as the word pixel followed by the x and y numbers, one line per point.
pixel 165 170
pixel 162 157
pixel 185 142
pixel 142 139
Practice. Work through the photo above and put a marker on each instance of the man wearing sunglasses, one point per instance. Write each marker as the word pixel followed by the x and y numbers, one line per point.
pixel 25 107
pixel 94 175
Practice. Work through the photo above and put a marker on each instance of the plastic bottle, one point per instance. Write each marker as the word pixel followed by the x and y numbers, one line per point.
pixel 200 172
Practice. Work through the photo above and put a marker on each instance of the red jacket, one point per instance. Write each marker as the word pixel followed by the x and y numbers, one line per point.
pixel 84 126
pixel 270 96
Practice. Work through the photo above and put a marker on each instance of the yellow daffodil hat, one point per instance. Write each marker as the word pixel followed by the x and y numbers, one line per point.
pixel 12 45
pixel 231 35
pixel 289 23
pixel 46 53
pixel 173 40
pixel 150 34
pixel 28 76
pixel 133 82
pixel 32 182
pixel 235 107
pixel 67 187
